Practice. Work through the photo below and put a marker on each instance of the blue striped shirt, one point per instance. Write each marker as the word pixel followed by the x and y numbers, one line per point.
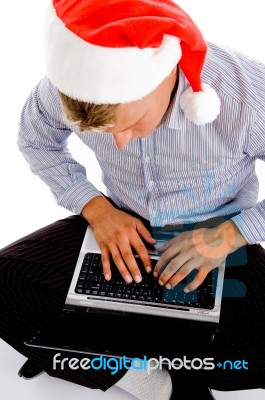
pixel 182 173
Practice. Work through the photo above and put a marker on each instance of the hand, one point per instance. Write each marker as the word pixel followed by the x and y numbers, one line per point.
pixel 117 233
pixel 202 249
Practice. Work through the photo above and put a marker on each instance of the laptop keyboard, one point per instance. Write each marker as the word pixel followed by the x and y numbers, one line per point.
pixel 91 282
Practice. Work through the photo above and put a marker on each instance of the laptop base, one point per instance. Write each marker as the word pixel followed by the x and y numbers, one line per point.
pixel 134 336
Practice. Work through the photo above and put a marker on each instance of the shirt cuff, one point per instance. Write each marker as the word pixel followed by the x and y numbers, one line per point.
pixel 78 195
pixel 251 223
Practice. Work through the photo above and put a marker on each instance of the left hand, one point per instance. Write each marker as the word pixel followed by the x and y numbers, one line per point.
pixel 202 249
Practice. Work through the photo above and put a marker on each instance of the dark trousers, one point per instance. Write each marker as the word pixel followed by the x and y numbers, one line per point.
pixel 35 274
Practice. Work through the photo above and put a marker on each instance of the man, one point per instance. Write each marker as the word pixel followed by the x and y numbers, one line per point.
pixel 176 125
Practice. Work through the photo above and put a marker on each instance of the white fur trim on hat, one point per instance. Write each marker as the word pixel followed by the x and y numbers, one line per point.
pixel 200 107
pixel 103 75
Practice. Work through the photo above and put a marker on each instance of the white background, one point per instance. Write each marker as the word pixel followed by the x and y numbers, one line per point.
pixel 26 203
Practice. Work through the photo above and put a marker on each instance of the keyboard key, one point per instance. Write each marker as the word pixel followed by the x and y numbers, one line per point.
pixel 93 278
pixel 92 285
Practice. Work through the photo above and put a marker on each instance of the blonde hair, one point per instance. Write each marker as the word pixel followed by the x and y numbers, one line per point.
pixel 89 116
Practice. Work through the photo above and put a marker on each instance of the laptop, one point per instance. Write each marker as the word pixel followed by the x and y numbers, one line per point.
pixel 135 310
pixel 89 289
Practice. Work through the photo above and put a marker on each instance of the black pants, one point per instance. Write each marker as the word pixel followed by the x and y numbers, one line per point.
pixel 35 274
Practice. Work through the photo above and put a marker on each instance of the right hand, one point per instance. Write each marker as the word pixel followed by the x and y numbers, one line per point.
pixel 116 234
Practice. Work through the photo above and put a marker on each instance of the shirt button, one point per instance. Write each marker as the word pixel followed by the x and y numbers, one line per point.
pixel 151 183
pixel 146 159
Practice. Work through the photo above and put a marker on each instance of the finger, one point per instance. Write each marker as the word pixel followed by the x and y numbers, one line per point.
pixel 130 262
pixel 165 258
pixel 164 247
pixel 198 280
pixel 105 259
pixel 173 267
pixel 182 273
pixel 144 232
pixel 118 261
pixel 170 242
pixel 142 252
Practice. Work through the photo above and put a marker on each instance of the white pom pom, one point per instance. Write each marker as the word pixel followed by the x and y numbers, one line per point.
pixel 200 107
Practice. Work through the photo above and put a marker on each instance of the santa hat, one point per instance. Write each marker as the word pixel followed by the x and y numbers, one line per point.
pixel 118 51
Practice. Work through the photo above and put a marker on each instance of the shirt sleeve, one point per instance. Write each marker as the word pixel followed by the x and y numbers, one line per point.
pixel 251 222
pixel 43 138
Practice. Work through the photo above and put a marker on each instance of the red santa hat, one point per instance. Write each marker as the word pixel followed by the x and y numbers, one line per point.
pixel 118 51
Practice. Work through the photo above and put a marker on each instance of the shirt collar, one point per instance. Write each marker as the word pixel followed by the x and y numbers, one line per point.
pixel 174 115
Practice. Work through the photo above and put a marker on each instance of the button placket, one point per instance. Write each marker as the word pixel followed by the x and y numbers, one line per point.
pixel 149 176
pixel 146 159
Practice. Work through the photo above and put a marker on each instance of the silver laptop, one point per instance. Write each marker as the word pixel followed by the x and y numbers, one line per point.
pixel 89 290
pixel 97 313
